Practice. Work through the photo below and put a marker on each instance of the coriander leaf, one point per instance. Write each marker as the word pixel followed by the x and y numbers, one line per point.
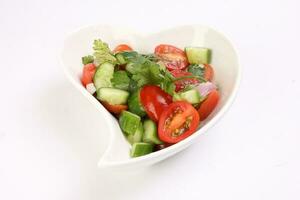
pixel 151 57
pixel 87 59
pixel 132 86
pixel 127 56
pixel 168 82
pixel 102 53
pixel 147 73
pixel 120 80
pixel 197 70
pixel 168 87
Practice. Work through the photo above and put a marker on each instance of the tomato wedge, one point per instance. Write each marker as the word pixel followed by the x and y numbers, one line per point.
pixel 121 48
pixel 181 84
pixel 208 72
pixel 88 73
pixel 173 57
pixel 177 122
pixel 209 104
pixel 154 101
pixel 116 109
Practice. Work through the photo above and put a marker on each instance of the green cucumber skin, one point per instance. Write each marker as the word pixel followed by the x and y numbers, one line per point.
pixel 141 149
pixel 113 96
pixel 192 96
pixel 103 75
pixel 150 132
pixel 137 136
pixel 134 104
pixel 198 55
pixel 129 122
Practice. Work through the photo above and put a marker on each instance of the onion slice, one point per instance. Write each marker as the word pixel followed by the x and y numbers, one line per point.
pixel 205 88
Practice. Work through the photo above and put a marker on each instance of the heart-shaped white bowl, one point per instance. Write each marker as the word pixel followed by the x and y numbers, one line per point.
pixel 224 60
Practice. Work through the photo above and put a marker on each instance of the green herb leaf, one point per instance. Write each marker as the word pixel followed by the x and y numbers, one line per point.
pixel 127 56
pixel 197 70
pixel 120 80
pixel 147 72
pixel 103 53
pixel 132 86
pixel 151 57
pixel 87 59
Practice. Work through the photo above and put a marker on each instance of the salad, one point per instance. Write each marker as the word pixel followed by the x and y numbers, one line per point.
pixel 159 99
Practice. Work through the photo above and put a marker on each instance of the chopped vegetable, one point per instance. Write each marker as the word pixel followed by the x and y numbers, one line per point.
pixel 88 74
pixel 120 80
pixel 198 55
pixel 209 104
pixel 121 48
pixel 205 88
pixel 141 149
pixel 150 134
pixel 129 122
pixel 113 96
pixel 177 122
pixel 208 72
pixel 192 96
pixel 135 105
pixel 102 53
pixel 173 57
pixel 137 136
pixel 87 59
pixel 154 96
pixel 154 101
pixel 115 109
pixel 103 75
pixel 184 83
pixel 196 69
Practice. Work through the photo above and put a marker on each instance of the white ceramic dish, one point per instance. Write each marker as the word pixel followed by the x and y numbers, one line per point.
pixel 224 60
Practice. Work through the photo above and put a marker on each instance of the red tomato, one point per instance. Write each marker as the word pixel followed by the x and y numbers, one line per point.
pixel 208 72
pixel 116 109
pixel 172 57
pixel 181 84
pixel 88 73
pixel 177 122
pixel 154 101
pixel 209 104
pixel 122 47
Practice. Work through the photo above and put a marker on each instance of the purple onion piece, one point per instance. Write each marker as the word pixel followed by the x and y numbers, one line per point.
pixel 205 88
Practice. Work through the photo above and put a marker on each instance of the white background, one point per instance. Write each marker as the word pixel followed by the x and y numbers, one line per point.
pixel 49 151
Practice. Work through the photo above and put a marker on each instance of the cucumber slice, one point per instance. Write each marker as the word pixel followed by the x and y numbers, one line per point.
pixel 103 75
pixel 192 96
pixel 129 122
pixel 112 96
pixel 150 133
pixel 140 149
pixel 135 105
pixel 198 55
pixel 137 136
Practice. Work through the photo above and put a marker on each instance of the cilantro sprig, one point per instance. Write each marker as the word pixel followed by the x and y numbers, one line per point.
pixel 102 53
pixel 145 71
